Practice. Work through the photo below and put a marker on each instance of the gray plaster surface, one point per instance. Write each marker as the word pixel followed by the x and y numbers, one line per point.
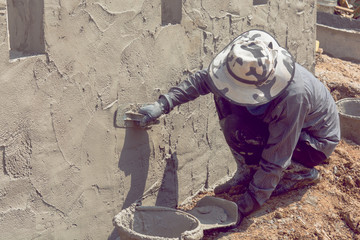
pixel 66 169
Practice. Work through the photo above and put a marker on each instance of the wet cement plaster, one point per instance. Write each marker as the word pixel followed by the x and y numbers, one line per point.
pixel 66 170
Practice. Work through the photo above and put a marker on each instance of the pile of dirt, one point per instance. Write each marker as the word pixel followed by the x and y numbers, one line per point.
pixel 328 210
pixel 341 77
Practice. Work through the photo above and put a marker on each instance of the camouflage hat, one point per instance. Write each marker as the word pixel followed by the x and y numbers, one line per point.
pixel 252 70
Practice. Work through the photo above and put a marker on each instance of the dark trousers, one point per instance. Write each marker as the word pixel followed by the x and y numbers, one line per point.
pixel 247 135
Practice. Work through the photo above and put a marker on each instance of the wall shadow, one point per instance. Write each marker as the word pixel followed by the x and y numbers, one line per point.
pixel 134 161
pixel 168 194
pixel 114 235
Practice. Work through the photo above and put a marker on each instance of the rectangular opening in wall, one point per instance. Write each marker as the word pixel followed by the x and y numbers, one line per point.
pixel 2 161
pixel 171 12
pixel 26 28
pixel 260 2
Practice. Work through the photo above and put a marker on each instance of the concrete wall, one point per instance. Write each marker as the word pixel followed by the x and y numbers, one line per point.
pixel 65 170
pixel 338 36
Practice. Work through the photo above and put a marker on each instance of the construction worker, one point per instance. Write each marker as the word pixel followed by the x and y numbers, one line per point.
pixel 272 111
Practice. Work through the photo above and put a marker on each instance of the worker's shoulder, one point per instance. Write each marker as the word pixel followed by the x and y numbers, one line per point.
pixel 302 72
pixel 297 84
pixel 304 82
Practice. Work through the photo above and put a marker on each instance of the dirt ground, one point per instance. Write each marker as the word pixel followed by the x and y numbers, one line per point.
pixel 328 210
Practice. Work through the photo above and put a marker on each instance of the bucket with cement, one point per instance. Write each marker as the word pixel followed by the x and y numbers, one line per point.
pixel 215 212
pixel 162 223
pixel 349 112
pixel 157 223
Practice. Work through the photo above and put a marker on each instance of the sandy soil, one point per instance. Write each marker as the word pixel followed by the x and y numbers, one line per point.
pixel 328 210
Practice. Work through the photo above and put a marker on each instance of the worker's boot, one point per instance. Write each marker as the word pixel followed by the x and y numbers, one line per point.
pixel 297 177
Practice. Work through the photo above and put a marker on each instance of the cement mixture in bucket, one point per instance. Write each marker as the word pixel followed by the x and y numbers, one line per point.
pixel 157 223
pixel 161 223
pixel 215 212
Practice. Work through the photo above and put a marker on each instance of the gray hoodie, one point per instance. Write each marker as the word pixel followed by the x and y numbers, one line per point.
pixel 305 110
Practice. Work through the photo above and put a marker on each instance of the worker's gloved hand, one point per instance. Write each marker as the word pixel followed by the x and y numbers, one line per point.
pixel 151 112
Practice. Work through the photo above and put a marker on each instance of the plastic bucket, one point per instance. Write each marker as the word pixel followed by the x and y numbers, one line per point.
pixel 349 112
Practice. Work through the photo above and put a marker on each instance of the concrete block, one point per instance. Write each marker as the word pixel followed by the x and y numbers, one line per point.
pixel 340 43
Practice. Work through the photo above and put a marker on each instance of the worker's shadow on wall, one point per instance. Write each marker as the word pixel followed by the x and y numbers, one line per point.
pixel 134 161
pixel 169 191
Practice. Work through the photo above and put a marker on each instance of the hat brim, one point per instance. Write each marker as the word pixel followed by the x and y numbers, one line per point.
pixel 222 83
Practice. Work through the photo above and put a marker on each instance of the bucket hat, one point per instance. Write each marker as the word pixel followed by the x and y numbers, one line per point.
pixel 252 70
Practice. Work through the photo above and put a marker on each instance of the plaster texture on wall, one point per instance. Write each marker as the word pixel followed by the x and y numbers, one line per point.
pixel 66 171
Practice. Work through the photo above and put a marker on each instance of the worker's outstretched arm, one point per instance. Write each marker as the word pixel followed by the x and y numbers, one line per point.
pixel 186 91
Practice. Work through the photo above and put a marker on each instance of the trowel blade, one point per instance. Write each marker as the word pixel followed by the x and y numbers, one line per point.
pixel 215 212
pixel 128 116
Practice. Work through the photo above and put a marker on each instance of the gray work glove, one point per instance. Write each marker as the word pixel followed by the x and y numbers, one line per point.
pixel 155 110
pixel 151 112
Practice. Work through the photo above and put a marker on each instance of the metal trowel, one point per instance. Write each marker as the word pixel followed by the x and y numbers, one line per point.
pixel 128 116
